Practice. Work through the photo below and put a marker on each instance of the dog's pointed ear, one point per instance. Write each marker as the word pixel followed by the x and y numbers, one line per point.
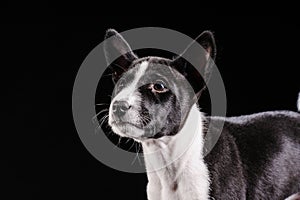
pixel 118 54
pixel 195 59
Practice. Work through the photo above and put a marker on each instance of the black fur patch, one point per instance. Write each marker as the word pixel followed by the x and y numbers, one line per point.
pixel 256 157
pixel 162 108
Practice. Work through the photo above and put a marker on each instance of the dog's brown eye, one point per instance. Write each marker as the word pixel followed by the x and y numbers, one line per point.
pixel 159 87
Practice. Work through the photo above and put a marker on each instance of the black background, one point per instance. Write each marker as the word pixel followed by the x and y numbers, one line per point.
pixel 258 57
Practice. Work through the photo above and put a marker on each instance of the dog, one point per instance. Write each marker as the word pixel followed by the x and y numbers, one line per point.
pixel 155 103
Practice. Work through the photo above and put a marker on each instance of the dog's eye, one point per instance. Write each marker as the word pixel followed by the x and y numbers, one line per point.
pixel 159 87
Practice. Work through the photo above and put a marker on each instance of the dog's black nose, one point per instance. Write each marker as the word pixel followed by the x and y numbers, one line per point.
pixel 120 108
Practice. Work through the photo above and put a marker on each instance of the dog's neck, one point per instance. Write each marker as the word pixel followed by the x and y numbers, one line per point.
pixel 177 169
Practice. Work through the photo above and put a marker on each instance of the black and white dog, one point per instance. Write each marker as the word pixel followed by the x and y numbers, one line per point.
pixel 256 157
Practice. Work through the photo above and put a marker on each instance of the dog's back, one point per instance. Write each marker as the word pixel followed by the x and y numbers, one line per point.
pixel 257 155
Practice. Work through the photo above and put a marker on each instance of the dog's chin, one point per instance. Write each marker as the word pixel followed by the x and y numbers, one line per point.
pixel 126 129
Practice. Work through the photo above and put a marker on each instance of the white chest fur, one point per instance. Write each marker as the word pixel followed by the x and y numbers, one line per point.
pixel 177 170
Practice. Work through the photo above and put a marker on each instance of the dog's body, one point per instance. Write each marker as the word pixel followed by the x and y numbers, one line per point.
pixel 251 160
pixel 256 156
pixel 259 157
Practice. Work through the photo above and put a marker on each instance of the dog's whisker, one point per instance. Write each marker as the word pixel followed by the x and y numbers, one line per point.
pixel 137 155
pixel 109 133
pixel 108 74
pixel 131 145
pixel 102 111
pixel 117 65
pixel 144 120
pixel 140 146
pixel 101 104
pixel 97 129
pixel 101 121
pixel 119 142
pixel 127 140
pixel 105 118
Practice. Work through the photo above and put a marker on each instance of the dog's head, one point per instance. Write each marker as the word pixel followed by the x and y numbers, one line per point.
pixel 153 95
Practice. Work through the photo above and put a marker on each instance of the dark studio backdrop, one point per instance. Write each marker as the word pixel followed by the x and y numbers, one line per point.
pixel 257 56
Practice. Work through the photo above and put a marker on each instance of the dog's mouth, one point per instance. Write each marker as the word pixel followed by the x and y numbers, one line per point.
pixel 124 123
pixel 128 129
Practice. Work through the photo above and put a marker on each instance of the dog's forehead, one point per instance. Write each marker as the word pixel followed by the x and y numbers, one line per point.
pixel 155 67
